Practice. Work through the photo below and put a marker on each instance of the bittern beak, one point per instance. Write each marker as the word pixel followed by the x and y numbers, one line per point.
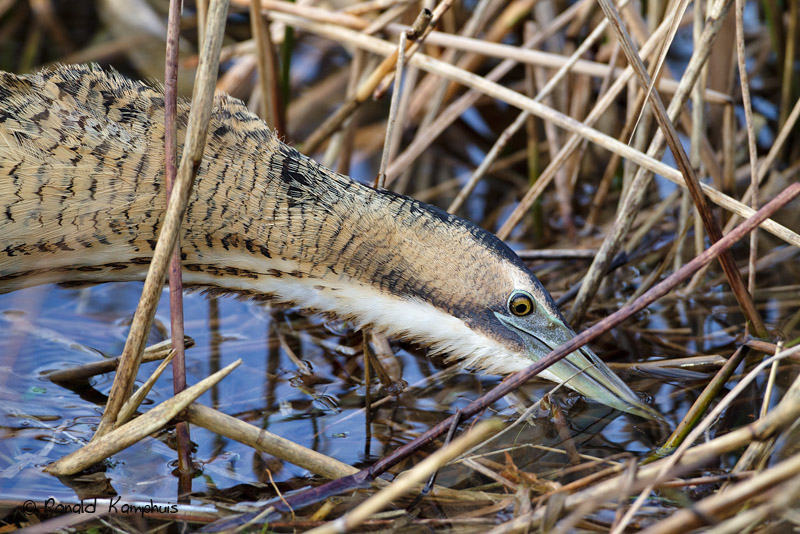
pixel 583 371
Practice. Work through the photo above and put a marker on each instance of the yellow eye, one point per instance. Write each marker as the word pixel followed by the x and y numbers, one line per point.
pixel 520 303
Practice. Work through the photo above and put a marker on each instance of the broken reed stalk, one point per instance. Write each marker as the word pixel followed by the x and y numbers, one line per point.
pixel 394 105
pixel 422 27
pixel 480 47
pixel 262 440
pixel 430 129
pixel 126 435
pixel 192 154
pixel 132 404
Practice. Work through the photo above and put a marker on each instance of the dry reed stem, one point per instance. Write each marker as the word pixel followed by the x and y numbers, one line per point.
pixel 159 351
pixel 703 401
pixel 524 103
pixel 406 93
pixel 174 269
pixel 487 161
pixel 376 351
pixel 267 442
pixel 154 283
pixel 267 72
pixel 654 275
pixel 490 473
pixel 484 11
pixel 550 60
pixel 656 215
pixel 756 454
pixel 789 74
pixel 557 254
pixel 106 51
pixel 697 130
pixel 410 479
pixel 553 139
pixel 777 145
pixel 465 43
pixel 779 502
pixel 287 450
pixel 202 19
pixel 763 169
pixel 499 28
pixel 598 200
pixel 419 30
pixel 744 84
pixel 237 75
pixel 126 435
pixel 362 8
pixel 393 110
pixel 371 84
pixel 429 129
pixel 340 145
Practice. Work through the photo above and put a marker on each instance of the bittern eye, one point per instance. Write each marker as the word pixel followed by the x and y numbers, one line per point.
pixel 520 303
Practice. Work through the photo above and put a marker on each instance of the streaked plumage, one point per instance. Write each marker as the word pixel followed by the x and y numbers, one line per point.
pixel 81 156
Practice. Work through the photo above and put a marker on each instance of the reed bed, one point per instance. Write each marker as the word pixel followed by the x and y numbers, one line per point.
pixel 612 144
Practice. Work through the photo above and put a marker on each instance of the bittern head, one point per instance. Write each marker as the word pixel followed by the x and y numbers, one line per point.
pixel 525 325
pixel 541 328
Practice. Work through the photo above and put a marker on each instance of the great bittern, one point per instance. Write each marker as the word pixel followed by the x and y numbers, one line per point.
pixel 81 177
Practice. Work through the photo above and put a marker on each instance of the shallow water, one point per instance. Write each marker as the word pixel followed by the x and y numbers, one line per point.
pixel 51 327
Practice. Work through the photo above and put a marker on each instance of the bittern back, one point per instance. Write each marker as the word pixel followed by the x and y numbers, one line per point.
pixel 81 179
